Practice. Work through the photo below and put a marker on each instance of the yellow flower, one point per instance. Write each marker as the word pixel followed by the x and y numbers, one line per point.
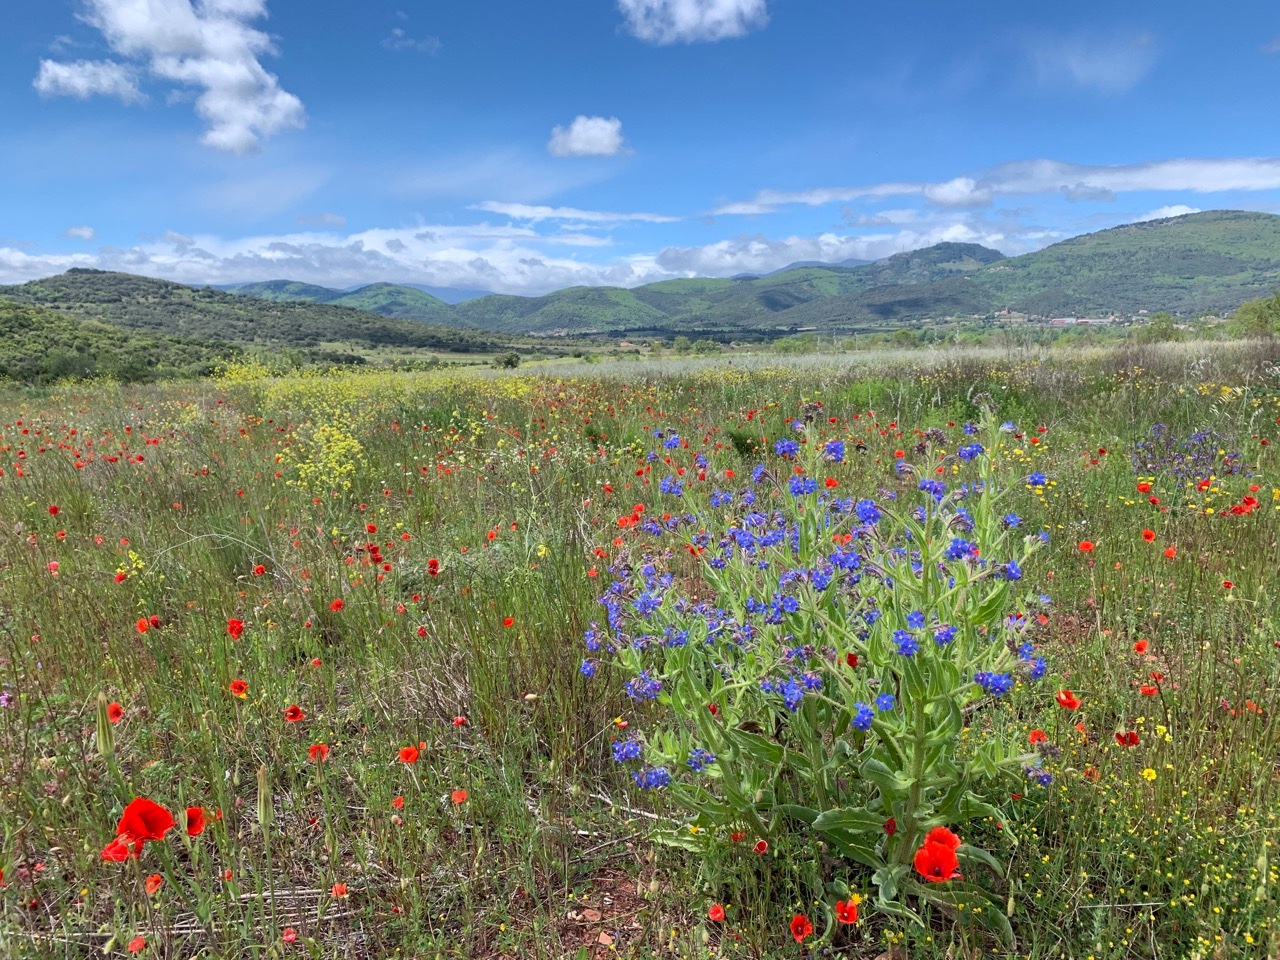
pixel 1148 774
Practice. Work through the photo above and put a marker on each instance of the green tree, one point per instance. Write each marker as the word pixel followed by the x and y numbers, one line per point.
pixel 1257 318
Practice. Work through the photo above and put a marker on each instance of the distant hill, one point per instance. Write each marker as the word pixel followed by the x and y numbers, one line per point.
pixel 172 309
pixel 1187 265
pixel 42 346
pixel 397 300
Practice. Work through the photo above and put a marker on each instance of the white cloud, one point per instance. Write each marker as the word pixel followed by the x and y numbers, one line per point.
pixel 1163 213
pixel 588 137
pixel 81 233
pixel 210 47
pixel 1107 64
pixel 399 39
pixel 1042 177
pixel 689 21
pixel 534 214
pixel 86 78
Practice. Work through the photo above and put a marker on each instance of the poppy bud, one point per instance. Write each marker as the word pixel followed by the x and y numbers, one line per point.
pixel 265 810
pixel 106 736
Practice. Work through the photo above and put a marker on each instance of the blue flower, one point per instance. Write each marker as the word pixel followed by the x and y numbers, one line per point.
pixel 672 442
pixel 868 512
pixel 700 759
pixel 1037 480
pixel 996 684
pixel 1012 571
pixel 624 750
pixel 960 549
pixel 935 488
pixel 915 619
pixel 884 702
pixel 588 668
pixel 863 715
pixel 801 486
pixel 944 636
pixel 834 451
pixel 1038 775
pixel 907 645
pixel 652 778
pixel 970 452
pixel 786 447
pixel 1010 520
pixel 643 687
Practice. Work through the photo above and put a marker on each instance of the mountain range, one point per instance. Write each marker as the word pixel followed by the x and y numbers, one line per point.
pixel 85 320
pixel 1187 265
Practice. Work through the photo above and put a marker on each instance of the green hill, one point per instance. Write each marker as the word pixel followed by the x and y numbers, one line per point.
pixel 388 299
pixel 172 309
pixel 41 346
pixel 1211 261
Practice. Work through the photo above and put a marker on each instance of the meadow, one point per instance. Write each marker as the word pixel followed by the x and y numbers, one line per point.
pixel 345 631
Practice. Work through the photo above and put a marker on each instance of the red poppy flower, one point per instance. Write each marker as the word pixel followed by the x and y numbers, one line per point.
pixel 1171 552
pixel 153 883
pixel 137 944
pixel 1144 487
pixel 1086 546
pixel 716 913
pixel 339 890
pixel 508 621
pixel 195 821
pixel 318 752
pixel 1149 536
pixel 259 570
pixel 289 935
pixel 337 605
pixel 1038 736
pixel 408 754
pixel 1227 584
pixel 1147 690
pixel 397 802
pixel 238 688
pixel 459 721
pixel 937 862
pixel 761 847
pixel 1141 646
pixel 115 713
pixel 143 625
pixel 141 821
pixel 1068 700
pixel 890 827
pixel 847 911
pixel 294 714
pixel 801 928
pixel 943 836
pixel 53 510
pixel 851 659
pixel 458 797
pixel 1130 739
pixel 235 628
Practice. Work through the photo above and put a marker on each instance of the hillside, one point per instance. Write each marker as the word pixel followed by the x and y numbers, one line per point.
pixel 1188 265
pixel 395 300
pixel 161 307
pixel 41 346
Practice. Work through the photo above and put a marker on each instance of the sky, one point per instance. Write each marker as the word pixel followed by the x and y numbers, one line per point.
pixel 521 147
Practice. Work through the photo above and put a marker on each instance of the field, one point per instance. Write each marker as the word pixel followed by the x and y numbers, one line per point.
pixel 351 625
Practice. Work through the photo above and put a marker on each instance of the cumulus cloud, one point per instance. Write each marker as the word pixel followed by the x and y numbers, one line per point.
pixel 1042 177
pixel 87 78
pixel 1163 213
pixel 1106 64
pixel 690 21
pixel 588 137
pixel 399 39
pixel 81 233
pixel 534 214
pixel 209 46
pixel 513 257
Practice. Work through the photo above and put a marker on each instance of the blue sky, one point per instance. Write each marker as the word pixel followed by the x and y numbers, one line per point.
pixel 521 147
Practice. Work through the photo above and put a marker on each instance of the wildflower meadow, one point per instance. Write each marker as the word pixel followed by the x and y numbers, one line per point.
pixel 930 655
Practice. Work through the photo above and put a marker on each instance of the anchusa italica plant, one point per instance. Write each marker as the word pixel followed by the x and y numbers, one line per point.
pixel 819 663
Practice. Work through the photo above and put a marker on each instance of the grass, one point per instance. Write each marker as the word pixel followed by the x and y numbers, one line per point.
pixel 513 483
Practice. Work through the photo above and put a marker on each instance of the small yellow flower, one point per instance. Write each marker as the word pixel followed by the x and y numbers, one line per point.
pixel 1148 774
